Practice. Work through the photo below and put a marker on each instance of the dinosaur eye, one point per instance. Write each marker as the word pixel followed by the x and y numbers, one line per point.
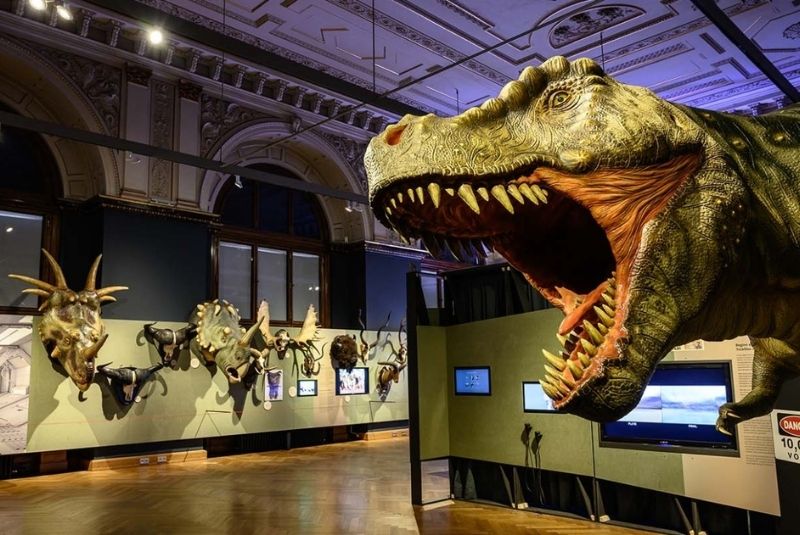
pixel 558 99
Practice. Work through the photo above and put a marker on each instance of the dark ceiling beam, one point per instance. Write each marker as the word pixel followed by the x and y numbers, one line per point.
pixel 179 27
pixel 93 138
pixel 736 36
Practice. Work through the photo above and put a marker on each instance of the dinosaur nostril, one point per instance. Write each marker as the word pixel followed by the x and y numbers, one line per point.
pixel 394 133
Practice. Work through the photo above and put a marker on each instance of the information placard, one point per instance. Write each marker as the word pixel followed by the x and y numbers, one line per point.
pixel 786 435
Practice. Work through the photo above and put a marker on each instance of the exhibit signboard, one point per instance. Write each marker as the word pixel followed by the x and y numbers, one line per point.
pixel 786 435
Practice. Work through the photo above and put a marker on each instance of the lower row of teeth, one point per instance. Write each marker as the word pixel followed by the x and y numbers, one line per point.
pixel 563 371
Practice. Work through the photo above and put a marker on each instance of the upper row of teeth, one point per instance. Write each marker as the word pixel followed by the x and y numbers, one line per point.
pixel 502 194
pixel 558 384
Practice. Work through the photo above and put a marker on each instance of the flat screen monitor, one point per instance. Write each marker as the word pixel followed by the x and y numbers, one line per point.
pixel 355 381
pixel 677 411
pixel 473 381
pixel 306 388
pixel 534 399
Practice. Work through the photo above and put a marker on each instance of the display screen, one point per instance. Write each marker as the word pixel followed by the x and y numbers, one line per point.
pixel 534 399
pixel 355 381
pixel 474 381
pixel 678 409
pixel 306 388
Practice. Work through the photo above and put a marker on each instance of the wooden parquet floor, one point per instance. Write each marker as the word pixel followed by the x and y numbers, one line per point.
pixel 355 487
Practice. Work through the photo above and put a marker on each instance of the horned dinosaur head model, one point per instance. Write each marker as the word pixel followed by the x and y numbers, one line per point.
pixel 222 341
pixel 649 224
pixel 71 328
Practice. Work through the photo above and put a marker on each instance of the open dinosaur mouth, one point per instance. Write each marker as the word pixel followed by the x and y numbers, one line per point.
pixel 574 237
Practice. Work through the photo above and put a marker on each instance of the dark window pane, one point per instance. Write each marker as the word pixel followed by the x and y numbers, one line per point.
pixel 273 213
pixel 305 286
pixel 305 221
pixel 237 209
pixel 20 240
pixel 272 281
pixel 234 275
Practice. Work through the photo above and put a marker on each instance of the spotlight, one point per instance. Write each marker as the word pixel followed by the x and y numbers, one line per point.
pixel 132 159
pixel 9 229
pixel 238 182
pixel 155 36
pixel 38 5
pixel 63 11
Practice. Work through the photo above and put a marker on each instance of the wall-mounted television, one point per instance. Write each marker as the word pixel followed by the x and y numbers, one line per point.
pixel 678 411
pixel 353 382
pixel 473 381
pixel 534 399
pixel 306 388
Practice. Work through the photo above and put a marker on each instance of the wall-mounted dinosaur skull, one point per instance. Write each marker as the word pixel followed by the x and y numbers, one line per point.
pixel 169 342
pixel 71 328
pixel 221 340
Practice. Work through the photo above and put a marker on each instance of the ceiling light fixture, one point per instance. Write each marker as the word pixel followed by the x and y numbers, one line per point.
pixel 238 182
pixel 155 36
pixel 38 5
pixel 353 206
pixel 63 11
pixel 132 159
pixel 9 229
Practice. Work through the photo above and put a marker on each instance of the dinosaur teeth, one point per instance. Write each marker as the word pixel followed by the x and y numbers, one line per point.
pixel 609 310
pixel 562 339
pixel 421 195
pixel 450 191
pixel 590 348
pixel 499 193
pixel 528 192
pixel 604 317
pixel 597 338
pixel 554 360
pixel 551 390
pixel 540 193
pixel 400 197
pixel 468 196
pixel 609 300
pixel 410 192
pixel 585 359
pixel 514 192
pixel 435 192
pixel 575 369
pixel 484 193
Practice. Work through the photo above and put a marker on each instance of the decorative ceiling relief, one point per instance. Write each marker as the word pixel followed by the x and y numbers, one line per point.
pixel 220 117
pixel 99 82
pixel 590 22
pixel 792 32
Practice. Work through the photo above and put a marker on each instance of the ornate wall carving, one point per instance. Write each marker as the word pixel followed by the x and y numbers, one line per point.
pixel 162 120
pixel 220 117
pixel 99 82
pixel 353 154
pixel 591 22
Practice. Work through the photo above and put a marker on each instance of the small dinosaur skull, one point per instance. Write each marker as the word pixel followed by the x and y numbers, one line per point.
pixel 282 339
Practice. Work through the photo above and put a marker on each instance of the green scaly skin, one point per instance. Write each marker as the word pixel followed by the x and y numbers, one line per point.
pixel 649 223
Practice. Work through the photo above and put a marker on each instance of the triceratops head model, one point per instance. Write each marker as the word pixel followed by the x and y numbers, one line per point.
pixel 221 340
pixel 71 329
pixel 649 224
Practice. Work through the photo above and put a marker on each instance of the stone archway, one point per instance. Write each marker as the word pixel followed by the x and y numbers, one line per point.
pixel 40 89
pixel 309 156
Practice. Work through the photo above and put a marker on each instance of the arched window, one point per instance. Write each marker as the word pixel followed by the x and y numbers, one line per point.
pixel 274 246
pixel 29 188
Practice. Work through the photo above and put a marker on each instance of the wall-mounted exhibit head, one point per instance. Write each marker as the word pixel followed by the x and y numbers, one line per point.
pixel 389 371
pixel 222 341
pixel 282 341
pixel 127 382
pixel 71 328
pixel 366 347
pixel 344 352
pixel 629 213
pixel 169 342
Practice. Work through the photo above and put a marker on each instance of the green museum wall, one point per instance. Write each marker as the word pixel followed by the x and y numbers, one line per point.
pixel 189 402
pixel 434 424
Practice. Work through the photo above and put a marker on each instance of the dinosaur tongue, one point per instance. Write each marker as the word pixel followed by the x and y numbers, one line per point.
pixel 577 306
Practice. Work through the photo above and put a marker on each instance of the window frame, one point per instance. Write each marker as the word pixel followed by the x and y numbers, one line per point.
pixel 290 243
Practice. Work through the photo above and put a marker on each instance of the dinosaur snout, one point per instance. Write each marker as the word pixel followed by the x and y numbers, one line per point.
pixel 393 133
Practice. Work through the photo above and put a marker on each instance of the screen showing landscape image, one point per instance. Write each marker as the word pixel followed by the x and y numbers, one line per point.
pixel 534 399
pixel 473 381
pixel 679 408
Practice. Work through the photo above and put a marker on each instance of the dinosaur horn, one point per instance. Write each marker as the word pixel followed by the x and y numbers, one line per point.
pixel 111 373
pixel 91 278
pixel 245 341
pixel 104 293
pixel 61 282
pixel 45 286
pixel 91 351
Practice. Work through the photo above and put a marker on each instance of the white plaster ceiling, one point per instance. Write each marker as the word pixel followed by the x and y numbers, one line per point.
pixel 665 45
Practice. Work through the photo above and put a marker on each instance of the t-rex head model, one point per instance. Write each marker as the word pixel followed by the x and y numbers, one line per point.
pixel 71 329
pixel 646 222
